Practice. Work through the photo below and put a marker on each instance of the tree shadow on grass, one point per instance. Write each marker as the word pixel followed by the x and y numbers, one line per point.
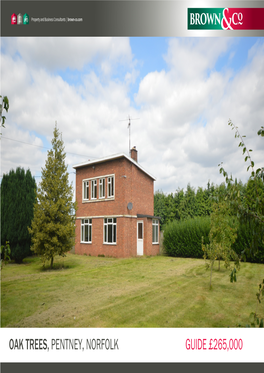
pixel 58 265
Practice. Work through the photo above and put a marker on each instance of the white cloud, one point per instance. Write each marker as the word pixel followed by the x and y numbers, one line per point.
pixel 73 53
pixel 182 131
pixel 18 153
pixel 190 58
pixel 191 104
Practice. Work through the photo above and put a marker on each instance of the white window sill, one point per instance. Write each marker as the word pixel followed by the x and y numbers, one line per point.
pixel 93 200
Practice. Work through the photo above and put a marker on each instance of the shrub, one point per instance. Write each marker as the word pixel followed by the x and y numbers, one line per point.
pixel 184 238
pixel 245 236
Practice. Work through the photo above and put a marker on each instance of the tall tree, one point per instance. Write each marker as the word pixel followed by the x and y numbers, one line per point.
pixel 18 193
pixel 53 226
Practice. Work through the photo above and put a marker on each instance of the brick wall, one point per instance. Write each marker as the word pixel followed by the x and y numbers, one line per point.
pixel 126 243
pixel 131 185
pixel 149 247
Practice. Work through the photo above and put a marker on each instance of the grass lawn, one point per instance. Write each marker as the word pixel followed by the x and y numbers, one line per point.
pixel 156 291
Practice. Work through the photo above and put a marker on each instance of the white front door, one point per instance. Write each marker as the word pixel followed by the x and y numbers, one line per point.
pixel 140 235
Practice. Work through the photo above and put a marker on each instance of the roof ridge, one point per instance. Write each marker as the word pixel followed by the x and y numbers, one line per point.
pixel 110 157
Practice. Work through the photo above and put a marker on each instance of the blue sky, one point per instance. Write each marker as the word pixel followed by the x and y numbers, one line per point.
pixel 149 54
pixel 183 90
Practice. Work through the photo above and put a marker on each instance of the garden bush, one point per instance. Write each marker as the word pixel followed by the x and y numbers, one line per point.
pixel 184 238
pixel 245 235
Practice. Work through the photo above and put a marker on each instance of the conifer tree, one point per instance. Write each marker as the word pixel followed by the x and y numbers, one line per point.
pixel 18 193
pixel 53 226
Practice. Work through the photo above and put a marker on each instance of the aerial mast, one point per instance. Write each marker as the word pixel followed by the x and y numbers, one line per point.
pixel 129 143
pixel 129 132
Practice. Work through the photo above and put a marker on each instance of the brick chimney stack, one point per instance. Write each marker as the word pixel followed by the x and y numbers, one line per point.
pixel 134 154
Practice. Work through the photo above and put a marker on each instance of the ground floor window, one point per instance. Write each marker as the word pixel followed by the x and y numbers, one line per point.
pixel 155 231
pixel 110 230
pixel 86 230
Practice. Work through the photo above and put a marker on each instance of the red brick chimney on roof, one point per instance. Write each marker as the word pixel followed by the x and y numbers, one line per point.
pixel 134 154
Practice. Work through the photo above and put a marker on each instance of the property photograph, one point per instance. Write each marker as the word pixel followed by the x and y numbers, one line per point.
pixel 132 182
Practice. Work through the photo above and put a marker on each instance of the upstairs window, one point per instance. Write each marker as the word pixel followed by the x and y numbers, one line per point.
pixel 99 188
pixel 155 231
pixel 102 188
pixel 86 190
pixel 86 230
pixel 110 187
pixel 94 189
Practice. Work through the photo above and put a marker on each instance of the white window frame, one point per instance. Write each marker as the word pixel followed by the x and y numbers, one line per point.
pixel 97 191
pixel 85 189
pixel 155 231
pixel 107 223
pixel 94 189
pixel 86 223
pixel 110 186
pixel 102 188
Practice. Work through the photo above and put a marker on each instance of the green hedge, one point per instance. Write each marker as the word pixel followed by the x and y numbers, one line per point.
pixel 184 238
pixel 245 235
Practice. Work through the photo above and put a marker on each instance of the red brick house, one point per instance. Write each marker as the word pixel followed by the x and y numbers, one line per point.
pixel 115 208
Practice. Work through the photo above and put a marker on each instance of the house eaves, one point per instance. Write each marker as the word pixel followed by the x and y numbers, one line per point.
pixel 110 158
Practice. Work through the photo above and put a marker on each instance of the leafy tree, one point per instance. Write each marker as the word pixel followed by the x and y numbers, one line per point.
pixel 53 226
pixel 253 201
pixel 171 211
pixel 222 235
pixel 4 105
pixel 255 319
pixel 248 206
pixel 159 206
pixel 190 202
pixel 201 202
pixel 18 193
pixel 178 200
pixel 182 204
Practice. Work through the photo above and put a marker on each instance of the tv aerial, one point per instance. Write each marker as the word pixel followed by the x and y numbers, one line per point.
pixel 129 131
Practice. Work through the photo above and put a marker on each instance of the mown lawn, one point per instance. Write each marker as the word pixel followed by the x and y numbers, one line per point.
pixel 157 291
